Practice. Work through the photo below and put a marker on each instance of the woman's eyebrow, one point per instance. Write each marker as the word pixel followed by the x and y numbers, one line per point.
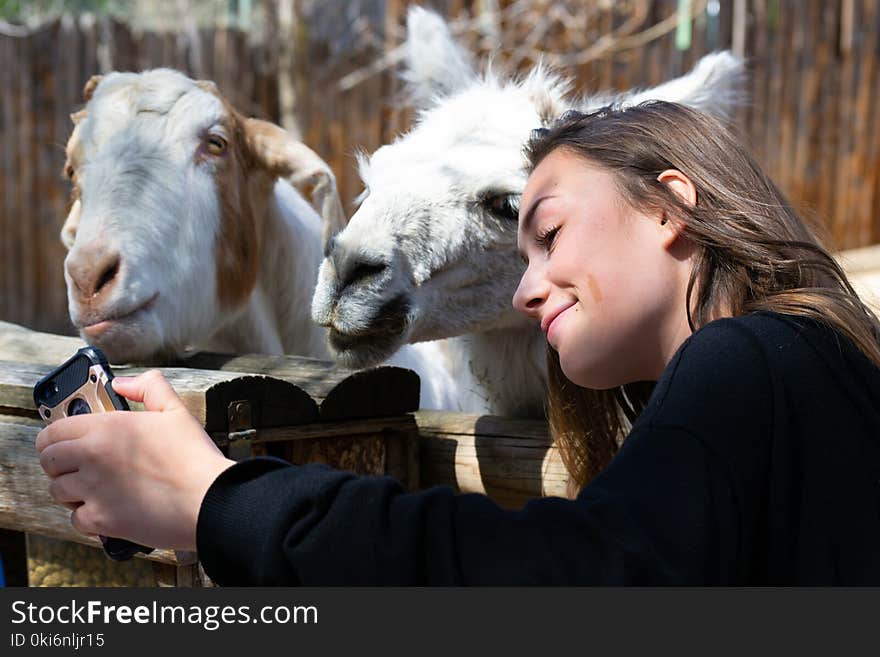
pixel 530 215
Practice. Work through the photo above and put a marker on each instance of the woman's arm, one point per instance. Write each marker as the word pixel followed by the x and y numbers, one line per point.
pixel 664 512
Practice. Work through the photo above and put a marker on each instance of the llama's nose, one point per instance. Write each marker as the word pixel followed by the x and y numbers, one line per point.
pixel 352 267
pixel 93 272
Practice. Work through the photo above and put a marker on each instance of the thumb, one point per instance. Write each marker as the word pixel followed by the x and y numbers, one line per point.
pixel 151 388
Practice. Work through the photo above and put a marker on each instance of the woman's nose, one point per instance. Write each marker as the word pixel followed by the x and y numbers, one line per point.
pixel 530 295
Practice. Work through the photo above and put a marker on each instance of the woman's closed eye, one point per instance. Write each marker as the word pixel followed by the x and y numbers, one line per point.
pixel 546 238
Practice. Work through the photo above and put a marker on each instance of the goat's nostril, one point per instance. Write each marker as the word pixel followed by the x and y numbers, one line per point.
pixel 362 271
pixel 107 275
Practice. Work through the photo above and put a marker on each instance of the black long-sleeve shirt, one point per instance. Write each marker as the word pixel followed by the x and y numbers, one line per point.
pixel 756 460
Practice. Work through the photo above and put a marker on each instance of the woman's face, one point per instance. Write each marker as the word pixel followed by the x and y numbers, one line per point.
pixel 606 281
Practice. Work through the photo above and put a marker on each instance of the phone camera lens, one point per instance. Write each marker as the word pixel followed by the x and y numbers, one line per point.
pixel 78 406
pixel 93 378
pixel 47 413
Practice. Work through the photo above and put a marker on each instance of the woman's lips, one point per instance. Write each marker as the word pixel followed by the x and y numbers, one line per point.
pixel 97 328
pixel 554 323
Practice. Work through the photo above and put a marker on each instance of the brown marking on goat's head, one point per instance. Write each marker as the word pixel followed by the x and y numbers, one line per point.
pixel 240 190
pixel 71 171
pixel 255 154
pixel 90 86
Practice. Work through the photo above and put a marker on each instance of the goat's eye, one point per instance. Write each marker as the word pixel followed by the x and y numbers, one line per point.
pixel 503 206
pixel 68 171
pixel 216 145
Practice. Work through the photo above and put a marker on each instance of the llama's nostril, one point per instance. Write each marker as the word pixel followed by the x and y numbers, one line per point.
pixel 362 271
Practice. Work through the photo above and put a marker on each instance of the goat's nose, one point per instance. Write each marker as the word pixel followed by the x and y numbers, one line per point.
pixel 93 272
pixel 352 268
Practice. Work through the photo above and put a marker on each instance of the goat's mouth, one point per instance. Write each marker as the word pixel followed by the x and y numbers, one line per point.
pixel 99 326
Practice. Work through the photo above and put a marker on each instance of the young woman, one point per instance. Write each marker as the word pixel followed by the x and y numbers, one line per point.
pixel 657 251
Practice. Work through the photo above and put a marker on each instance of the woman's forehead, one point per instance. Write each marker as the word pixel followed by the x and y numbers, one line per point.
pixel 561 168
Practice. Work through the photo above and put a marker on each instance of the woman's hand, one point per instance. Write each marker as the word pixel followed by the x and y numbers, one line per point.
pixel 135 475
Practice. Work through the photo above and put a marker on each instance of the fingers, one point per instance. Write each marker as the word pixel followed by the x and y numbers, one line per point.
pixel 69 428
pixel 67 489
pixel 60 458
pixel 84 521
pixel 151 388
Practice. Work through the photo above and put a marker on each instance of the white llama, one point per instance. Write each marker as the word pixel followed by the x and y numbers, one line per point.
pixel 431 251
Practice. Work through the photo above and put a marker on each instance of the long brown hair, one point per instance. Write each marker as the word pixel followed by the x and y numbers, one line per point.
pixel 754 251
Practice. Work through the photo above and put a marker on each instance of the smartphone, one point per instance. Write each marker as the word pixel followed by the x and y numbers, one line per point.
pixel 81 385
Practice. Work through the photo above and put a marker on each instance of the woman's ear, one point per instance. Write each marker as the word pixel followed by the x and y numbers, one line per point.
pixel 681 185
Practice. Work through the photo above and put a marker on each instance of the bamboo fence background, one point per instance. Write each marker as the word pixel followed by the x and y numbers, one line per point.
pixel 811 120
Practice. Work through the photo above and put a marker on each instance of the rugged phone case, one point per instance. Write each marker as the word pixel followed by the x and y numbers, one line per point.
pixel 82 384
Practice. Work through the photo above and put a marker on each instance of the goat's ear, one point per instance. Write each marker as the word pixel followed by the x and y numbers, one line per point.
pixel 715 85
pixel 436 65
pixel 283 156
pixel 68 230
pixel 91 85
pixel 209 86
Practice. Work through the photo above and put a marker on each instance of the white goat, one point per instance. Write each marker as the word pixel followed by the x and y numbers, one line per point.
pixel 184 232
pixel 180 232
pixel 431 252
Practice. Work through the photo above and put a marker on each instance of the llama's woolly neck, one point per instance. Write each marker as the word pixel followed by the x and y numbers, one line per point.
pixel 501 372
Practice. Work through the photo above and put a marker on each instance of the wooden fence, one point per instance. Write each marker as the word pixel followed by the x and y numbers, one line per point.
pixel 300 409
pixel 812 119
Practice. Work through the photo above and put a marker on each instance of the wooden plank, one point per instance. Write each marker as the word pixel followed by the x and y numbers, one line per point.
pixel 21 344
pixel 8 276
pixel 348 428
pixel 829 114
pixel 339 393
pixel 846 77
pixel 205 393
pixel 863 270
pixel 865 140
pixel 511 461
pixel 25 504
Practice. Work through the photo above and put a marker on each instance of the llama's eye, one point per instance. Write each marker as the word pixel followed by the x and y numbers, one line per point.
pixel 216 145
pixel 503 206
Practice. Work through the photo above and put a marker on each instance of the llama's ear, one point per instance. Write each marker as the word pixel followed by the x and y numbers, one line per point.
pixel 715 85
pixel 283 156
pixel 90 86
pixel 436 64
pixel 547 91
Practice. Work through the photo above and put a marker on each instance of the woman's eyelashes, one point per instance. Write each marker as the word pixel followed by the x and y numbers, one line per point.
pixel 546 238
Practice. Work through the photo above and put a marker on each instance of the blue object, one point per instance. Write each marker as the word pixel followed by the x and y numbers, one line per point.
pixel 2 577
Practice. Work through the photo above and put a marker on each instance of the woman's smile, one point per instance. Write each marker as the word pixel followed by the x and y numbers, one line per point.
pixel 552 327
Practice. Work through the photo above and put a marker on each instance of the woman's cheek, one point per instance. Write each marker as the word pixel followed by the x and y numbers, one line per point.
pixel 594 288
